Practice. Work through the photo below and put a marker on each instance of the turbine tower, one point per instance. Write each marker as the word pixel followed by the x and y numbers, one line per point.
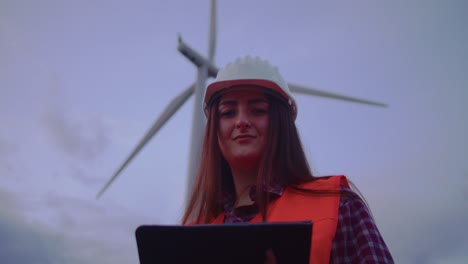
pixel 205 68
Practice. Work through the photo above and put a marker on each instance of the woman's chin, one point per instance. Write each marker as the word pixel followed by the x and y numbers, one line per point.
pixel 245 159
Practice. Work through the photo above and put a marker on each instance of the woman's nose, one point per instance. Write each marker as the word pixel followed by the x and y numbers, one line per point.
pixel 243 120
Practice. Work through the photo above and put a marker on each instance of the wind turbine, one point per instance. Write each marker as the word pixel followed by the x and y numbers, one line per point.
pixel 206 68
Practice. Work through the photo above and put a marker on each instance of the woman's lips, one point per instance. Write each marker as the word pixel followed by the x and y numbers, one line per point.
pixel 241 137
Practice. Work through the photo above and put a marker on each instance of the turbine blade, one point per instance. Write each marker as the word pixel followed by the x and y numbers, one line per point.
pixel 170 109
pixel 212 34
pixel 315 92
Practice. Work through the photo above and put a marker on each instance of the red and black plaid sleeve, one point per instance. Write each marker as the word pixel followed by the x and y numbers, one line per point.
pixel 357 238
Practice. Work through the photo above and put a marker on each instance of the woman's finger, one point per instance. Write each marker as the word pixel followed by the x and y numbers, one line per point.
pixel 270 257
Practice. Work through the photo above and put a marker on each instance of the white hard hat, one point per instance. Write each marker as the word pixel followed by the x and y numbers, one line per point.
pixel 252 71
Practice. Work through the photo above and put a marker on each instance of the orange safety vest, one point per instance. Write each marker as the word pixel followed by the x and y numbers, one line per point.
pixel 322 210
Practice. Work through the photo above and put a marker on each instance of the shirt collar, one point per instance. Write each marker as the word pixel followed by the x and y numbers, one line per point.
pixel 229 198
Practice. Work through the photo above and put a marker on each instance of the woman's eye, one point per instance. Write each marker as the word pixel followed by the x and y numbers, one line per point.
pixel 227 113
pixel 259 111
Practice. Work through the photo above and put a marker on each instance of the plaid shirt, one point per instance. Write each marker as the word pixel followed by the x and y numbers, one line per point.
pixel 357 239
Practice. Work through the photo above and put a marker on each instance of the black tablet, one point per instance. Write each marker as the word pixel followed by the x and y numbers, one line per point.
pixel 227 243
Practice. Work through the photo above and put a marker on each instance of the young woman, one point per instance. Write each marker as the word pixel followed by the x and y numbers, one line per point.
pixel 253 169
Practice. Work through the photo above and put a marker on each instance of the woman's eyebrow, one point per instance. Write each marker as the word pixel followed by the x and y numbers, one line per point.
pixel 228 102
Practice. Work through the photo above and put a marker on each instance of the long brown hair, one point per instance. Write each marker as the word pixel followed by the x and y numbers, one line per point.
pixel 284 162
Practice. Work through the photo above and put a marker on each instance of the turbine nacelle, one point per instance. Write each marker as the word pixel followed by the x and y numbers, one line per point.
pixel 196 58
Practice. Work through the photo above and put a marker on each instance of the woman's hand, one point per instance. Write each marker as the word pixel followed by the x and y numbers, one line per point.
pixel 270 257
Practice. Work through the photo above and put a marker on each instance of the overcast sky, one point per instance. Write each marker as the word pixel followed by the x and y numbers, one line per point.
pixel 82 81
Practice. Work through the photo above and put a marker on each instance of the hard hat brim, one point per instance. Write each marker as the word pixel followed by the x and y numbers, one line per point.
pixel 221 85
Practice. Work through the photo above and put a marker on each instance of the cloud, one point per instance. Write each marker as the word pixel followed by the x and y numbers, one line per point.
pixel 82 175
pixel 21 243
pixel 84 138
pixel 425 225
pixel 79 134
pixel 24 243
pixel 61 229
pixel 7 150
pixel 464 188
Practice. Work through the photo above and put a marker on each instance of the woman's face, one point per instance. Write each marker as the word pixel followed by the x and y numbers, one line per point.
pixel 243 125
